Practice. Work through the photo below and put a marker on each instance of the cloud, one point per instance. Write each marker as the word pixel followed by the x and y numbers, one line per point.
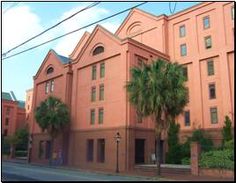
pixel 18 25
pixel 68 43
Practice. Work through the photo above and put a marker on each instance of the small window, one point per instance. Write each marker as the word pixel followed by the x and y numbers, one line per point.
pixel 52 86
pixel 50 70
pixel 214 118
pixel 101 150
pixel 232 12
pixel 47 87
pixel 94 72
pixel 212 91
pixel 28 107
pixel 92 116
pixel 5 132
pixel 7 121
pixel 182 31
pixel 8 111
pixel 208 43
pixel 210 67
pixel 206 22
pixel 100 116
pixel 101 92
pixel 183 50
pixel 93 94
pixel 187 118
pixel 102 70
pixel 185 73
pixel 98 50
pixel 90 150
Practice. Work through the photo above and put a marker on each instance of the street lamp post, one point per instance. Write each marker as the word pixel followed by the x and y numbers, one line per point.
pixel 117 137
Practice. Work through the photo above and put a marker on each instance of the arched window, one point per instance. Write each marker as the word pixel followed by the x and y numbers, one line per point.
pixel 98 50
pixel 50 70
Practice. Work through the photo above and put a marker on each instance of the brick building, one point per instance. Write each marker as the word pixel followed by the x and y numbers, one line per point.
pixel 91 82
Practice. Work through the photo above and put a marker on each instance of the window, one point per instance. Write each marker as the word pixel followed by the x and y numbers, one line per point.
pixel 208 43
pixel 212 91
pixel 47 87
pixel 183 50
pixel 92 116
pixel 93 94
pixel 101 150
pixel 213 111
pixel 187 118
pixel 102 70
pixel 206 22
pixel 100 116
pixel 6 121
pixel 28 107
pixel 139 117
pixel 94 72
pixel 28 97
pixel 8 111
pixel 5 132
pixel 48 149
pixel 101 92
pixel 50 70
pixel 232 12
pixel 41 149
pixel 182 31
pixel 185 72
pixel 52 86
pixel 210 67
pixel 89 150
pixel 98 50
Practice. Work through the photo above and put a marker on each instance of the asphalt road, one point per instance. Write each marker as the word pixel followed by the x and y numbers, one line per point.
pixel 25 172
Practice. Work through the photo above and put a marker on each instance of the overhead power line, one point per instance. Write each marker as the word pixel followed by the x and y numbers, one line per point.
pixel 15 4
pixel 172 11
pixel 73 31
pixel 88 7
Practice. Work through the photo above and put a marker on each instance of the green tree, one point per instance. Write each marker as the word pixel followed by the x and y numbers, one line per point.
pixel 226 131
pixel 12 140
pixel 52 115
pixel 205 142
pixel 158 90
pixel 23 135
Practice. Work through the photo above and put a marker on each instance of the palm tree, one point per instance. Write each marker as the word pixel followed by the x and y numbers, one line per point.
pixel 52 115
pixel 158 90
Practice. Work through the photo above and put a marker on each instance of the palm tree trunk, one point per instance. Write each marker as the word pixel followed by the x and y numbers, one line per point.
pixel 51 151
pixel 158 140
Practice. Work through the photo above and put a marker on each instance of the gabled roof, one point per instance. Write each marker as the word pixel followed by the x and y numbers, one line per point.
pixel 63 59
pixel 6 96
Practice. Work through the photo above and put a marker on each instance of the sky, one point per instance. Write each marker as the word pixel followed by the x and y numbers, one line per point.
pixel 23 20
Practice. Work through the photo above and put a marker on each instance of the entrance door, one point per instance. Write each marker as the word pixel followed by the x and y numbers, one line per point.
pixel 161 150
pixel 139 151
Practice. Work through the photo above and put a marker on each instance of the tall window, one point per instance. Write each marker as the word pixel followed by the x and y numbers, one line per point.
pixel 206 22
pixel 94 72
pixel 48 148
pixel 183 50
pixel 182 31
pixel 208 43
pixel 90 150
pixel 187 118
pixel 5 132
pixel 212 91
pixel 93 94
pixel 100 116
pixel 92 116
pixel 101 150
pixel 8 111
pixel 98 50
pixel 47 87
pixel 185 73
pixel 6 121
pixel 210 67
pixel 52 86
pixel 101 92
pixel 214 118
pixel 102 70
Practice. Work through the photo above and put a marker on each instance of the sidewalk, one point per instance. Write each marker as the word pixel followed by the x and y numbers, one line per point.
pixel 177 177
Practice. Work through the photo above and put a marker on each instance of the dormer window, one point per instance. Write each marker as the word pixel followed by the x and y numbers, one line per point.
pixel 98 50
pixel 50 70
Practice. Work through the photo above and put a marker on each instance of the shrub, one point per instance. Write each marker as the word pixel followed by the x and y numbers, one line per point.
pixel 217 159
pixel 229 145
pixel 226 131
pixel 21 153
pixel 185 161
pixel 205 142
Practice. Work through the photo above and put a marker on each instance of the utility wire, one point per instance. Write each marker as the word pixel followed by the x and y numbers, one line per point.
pixel 88 7
pixel 73 31
pixel 172 11
pixel 15 4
